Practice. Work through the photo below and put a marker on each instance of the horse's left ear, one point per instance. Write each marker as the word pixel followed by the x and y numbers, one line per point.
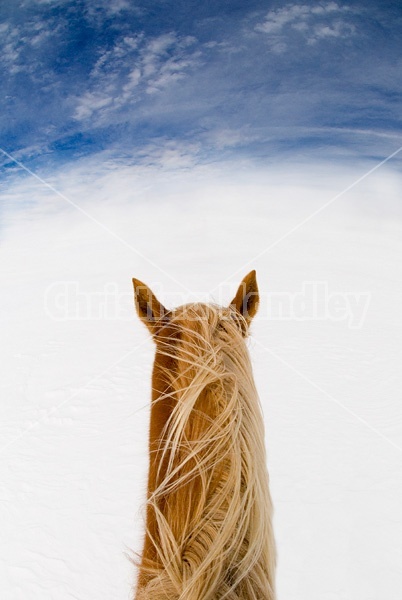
pixel 247 297
pixel 149 309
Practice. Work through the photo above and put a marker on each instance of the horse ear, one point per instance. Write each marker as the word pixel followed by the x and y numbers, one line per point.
pixel 247 297
pixel 149 309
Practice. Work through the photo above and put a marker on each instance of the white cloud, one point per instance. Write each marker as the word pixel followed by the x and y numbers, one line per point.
pixel 18 44
pixel 40 37
pixel 313 22
pixel 326 8
pixel 275 20
pixel 154 52
pixel 133 67
pixel 164 60
pixel 132 82
pixel 91 102
pixel 338 29
pixel 222 138
pixel 10 48
pixel 169 155
pixel 110 61
pixel 117 6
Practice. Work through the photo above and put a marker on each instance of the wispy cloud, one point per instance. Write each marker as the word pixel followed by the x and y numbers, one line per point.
pixel 312 23
pixel 79 77
pixel 136 65
pixel 22 45
pixel 10 48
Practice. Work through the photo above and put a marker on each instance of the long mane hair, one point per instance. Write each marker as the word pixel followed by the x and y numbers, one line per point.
pixel 209 533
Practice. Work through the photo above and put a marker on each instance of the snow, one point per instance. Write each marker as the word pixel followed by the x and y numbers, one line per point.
pixel 77 366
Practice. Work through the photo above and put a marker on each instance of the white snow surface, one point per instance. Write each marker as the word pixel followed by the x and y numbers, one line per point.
pixel 76 381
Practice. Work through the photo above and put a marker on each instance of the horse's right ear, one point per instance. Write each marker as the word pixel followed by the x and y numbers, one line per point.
pixel 149 309
pixel 247 297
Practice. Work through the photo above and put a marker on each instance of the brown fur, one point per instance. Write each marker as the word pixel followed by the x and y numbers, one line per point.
pixel 208 525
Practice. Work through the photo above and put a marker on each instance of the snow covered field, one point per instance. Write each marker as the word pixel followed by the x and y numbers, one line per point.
pixel 76 362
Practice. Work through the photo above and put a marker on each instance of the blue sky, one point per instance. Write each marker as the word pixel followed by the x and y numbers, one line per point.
pixel 209 80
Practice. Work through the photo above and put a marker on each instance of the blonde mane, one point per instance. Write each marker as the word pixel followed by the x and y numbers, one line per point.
pixel 211 533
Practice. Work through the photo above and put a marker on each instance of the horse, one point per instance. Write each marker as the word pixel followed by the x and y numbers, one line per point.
pixel 209 532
